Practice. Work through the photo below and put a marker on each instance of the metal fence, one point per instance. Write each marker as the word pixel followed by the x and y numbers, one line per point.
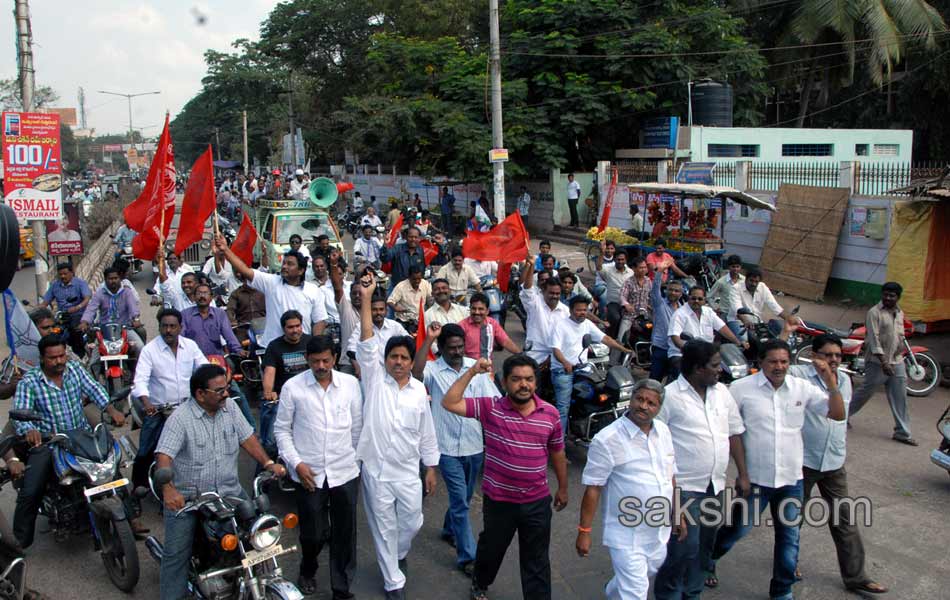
pixel 638 171
pixel 769 176
pixel 725 174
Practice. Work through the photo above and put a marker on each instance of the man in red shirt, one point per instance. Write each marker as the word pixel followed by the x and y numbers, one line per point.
pixel 522 432
pixel 483 333
pixel 660 258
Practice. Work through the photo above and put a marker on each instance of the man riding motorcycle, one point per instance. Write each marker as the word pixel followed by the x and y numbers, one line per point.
pixel 114 303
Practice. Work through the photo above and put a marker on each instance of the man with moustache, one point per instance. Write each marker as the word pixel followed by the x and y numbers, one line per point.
pixel 383 326
pixel 773 408
pixel 318 426
pixel 542 303
pixel 665 304
pixel 522 432
pixel 284 358
pixel 444 311
pixel 633 457
pixel 483 333
pixel 397 433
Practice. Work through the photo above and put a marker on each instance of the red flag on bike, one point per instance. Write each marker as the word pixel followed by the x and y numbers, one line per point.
pixel 393 234
pixel 243 244
pixel 421 329
pixel 429 250
pixel 507 241
pixel 151 213
pixel 198 204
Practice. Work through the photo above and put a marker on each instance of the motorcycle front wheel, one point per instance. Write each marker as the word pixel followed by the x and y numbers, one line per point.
pixel 924 377
pixel 119 554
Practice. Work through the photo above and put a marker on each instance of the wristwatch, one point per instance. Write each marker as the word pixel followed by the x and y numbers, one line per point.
pixel 269 463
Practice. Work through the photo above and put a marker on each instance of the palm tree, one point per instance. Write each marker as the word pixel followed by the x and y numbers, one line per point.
pixel 880 30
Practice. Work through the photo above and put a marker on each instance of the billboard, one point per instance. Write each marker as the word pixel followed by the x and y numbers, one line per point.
pixel 661 132
pixel 33 171
pixel 63 235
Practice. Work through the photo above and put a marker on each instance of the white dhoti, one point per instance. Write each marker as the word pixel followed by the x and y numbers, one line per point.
pixel 633 568
pixel 394 513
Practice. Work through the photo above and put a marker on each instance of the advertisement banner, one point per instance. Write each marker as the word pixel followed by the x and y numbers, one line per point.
pixel 33 172
pixel 63 236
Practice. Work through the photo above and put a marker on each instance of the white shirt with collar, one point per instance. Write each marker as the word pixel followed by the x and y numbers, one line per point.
pixel 398 430
pixel 225 277
pixel 437 314
pixel 389 329
pixel 541 321
pixel 320 427
pixel 631 464
pixel 568 337
pixel 701 432
pixel 762 298
pixel 773 420
pixel 703 327
pixel 614 279
pixel 573 190
pixel 155 377
pixel 280 296
pixel 825 439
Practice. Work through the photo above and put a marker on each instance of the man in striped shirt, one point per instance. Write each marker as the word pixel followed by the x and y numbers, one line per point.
pixel 521 433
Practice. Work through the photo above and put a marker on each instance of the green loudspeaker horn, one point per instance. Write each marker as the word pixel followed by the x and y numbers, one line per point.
pixel 323 192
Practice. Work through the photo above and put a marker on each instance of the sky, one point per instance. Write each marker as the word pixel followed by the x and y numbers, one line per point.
pixel 128 46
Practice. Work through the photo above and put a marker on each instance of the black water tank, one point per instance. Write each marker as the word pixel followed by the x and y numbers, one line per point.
pixel 712 104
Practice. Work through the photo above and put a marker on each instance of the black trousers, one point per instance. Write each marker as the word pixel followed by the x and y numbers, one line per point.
pixel 846 535
pixel 39 469
pixel 572 206
pixel 532 521
pixel 614 313
pixel 329 514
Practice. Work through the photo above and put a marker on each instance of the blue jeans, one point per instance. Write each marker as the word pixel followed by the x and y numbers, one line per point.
pixel 563 386
pixel 460 474
pixel 151 431
pixel 173 574
pixel 268 416
pixel 598 291
pixel 785 551
pixel 682 573
pixel 659 363
pixel 238 395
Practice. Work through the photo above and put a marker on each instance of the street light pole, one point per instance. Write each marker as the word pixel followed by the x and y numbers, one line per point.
pixel 497 137
pixel 129 98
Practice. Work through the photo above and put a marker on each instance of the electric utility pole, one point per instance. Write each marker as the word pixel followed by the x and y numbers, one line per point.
pixel 497 138
pixel 293 128
pixel 244 127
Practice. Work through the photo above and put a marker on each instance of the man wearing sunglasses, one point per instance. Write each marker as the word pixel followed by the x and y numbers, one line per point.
pixel 699 322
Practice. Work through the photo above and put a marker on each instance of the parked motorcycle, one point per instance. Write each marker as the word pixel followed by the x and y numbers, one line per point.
pixel 236 545
pixel 112 342
pixel 601 393
pixel 940 456
pixel 350 220
pixel 923 368
pixel 90 493
pixel 700 270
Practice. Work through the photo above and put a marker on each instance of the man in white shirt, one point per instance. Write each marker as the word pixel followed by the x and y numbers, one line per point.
pixel 174 269
pixel 573 195
pixel 460 439
pixel 460 276
pixel 544 312
pixel 636 222
pixel 368 248
pixel 283 292
pixel 220 272
pixel 482 268
pixel 755 296
pixel 299 186
pixel 319 419
pixel 724 294
pixel 699 322
pixel 566 342
pixel 408 295
pixel 524 202
pixel 319 275
pixel 444 310
pixel 162 379
pixel 357 201
pixel 773 407
pixel 633 457
pixel 706 427
pixel 397 433
pixel 383 327
pixel 371 218
pixel 614 277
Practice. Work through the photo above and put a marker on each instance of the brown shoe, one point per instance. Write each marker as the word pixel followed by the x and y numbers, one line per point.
pixel 138 529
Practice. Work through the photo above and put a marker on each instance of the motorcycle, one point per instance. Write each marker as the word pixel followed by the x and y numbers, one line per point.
pixel 514 296
pixel 923 368
pixel 350 220
pixel 112 342
pixel 700 270
pixel 236 545
pixel 135 264
pixel 251 367
pixel 601 393
pixel 639 339
pixel 940 456
pixel 90 492
pixel 497 301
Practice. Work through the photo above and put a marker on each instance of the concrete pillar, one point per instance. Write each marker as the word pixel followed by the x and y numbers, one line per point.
pixel 743 175
pixel 847 173
pixel 662 171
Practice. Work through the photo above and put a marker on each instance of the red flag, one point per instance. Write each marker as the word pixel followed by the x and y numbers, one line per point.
pixel 504 276
pixel 198 204
pixel 151 213
pixel 507 241
pixel 344 186
pixel 605 217
pixel 421 329
pixel 393 234
pixel 137 210
pixel 429 251
pixel 243 244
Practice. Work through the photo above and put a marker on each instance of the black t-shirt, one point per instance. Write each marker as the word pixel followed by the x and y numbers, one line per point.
pixel 288 359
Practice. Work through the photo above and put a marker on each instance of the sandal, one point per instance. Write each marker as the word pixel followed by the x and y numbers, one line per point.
pixel 869 587
pixel 798 574
pixel 711 580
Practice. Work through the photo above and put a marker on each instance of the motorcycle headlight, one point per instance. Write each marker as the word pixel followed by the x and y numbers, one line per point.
pixel 265 532
pixel 738 371
pixel 99 472
pixel 626 393
pixel 598 350
pixel 114 346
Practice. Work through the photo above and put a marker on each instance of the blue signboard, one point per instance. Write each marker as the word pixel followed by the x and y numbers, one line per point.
pixel 696 172
pixel 661 132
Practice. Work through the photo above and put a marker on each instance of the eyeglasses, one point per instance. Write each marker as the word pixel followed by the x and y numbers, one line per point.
pixel 219 391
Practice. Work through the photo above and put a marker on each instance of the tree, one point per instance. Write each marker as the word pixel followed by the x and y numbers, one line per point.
pixel 10 98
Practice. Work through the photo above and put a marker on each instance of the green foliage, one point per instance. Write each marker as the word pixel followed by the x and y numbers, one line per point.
pixel 10 99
